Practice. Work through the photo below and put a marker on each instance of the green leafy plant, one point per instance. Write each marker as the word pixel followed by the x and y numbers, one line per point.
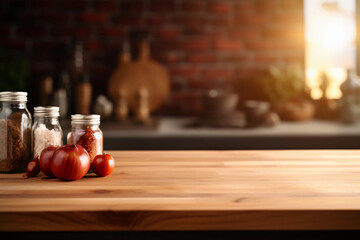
pixel 283 84
pixel 13 72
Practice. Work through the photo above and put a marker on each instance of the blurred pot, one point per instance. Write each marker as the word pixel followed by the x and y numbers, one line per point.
pixel 217 104
pixel 256 112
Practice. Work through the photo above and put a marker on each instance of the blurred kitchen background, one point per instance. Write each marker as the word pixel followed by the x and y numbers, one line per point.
pixel 191 74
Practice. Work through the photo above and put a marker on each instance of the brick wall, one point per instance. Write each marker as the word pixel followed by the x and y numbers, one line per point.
pixel 203 43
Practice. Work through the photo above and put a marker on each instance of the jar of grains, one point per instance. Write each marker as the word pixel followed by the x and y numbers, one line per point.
pixel 86 132
pixel 15 132
pixel 46 130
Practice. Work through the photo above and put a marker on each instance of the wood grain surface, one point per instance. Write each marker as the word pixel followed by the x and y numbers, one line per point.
pixel 194 190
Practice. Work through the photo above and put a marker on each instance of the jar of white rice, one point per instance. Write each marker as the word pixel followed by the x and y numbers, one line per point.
pixel 46 129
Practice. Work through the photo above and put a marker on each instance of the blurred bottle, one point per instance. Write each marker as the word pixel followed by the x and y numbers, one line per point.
pixel 121 101
pixel 77 73
pixel 142 113
pixel 122 108
pixel 46 90
pixel 61 93
pixel 124 56
pixel 83 94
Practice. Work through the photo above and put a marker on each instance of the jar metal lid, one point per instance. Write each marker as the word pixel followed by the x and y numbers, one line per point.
pixel 46 111
pixel 13 96
pixel 93 119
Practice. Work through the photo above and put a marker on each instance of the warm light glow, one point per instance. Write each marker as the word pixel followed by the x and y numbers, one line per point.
pixel 330 43
pixel 336 76
pixel 312 81
pixel 337 34
pixel 312 74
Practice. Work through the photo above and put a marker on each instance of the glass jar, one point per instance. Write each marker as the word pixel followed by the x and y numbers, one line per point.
pixel 15 132
pixel 86 132
pixel 46 129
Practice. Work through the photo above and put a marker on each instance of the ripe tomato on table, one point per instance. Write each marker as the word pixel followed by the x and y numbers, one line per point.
pixel 103 165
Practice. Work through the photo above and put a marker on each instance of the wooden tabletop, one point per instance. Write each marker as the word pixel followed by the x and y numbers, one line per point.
pixel 193 190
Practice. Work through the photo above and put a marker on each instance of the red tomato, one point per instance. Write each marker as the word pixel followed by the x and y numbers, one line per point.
pixel 45 159
pixel 33 168
pixel 103 165
pixel 70 162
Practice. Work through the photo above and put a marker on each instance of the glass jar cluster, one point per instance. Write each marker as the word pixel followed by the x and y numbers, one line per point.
pixel 20 140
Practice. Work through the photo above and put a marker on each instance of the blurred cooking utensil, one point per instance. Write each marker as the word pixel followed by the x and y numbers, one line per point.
pixel 142 73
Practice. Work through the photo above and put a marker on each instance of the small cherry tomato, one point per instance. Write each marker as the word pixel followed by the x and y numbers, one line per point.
pixel 33 168
pixel 103 165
